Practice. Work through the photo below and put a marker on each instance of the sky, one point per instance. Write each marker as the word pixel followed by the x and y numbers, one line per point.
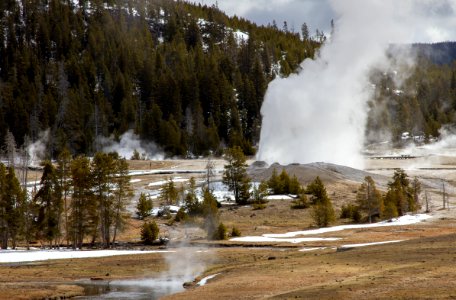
pixel 437 17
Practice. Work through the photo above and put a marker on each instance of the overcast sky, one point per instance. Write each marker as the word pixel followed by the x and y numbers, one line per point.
pixel 316 13
pixel 435 19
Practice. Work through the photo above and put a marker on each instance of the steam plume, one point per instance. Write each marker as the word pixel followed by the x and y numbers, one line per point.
pixel 37 150
pixel 320 113
pixel 128 143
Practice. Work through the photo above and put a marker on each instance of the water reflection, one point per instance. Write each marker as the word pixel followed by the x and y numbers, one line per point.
pixel 149 289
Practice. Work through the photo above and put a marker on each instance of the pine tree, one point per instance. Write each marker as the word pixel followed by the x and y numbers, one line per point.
pixel 168 192
pixel 122 194
pixel 235 175
pixel 83 216
pixel 400 194
pixel 323 211
pixel 369 198
pixel 103 172
pixel 144 206
pixel 49 201
pixel 63 170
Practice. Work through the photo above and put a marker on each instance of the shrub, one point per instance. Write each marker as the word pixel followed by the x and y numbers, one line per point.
pixel 350 211
pixel 300 203
pixel 181 215
pixel 220 233
pixel 144 207
pixel 149 232
pixel 235 232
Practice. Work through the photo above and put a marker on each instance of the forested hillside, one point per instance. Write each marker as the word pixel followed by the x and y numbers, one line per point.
pixel 186 77
pixel 418 100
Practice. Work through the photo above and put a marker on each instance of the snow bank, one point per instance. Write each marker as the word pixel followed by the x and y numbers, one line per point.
pixel 278 197
pixel 368 244
pixel 206 279
pixel 256 239
pixel 404 220
pixel 11 256
pixel 162 182
pixel 312 249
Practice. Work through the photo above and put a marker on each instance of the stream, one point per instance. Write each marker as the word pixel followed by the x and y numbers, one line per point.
pixel 153 288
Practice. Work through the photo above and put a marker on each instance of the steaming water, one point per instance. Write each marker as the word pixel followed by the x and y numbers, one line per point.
pixel 149 289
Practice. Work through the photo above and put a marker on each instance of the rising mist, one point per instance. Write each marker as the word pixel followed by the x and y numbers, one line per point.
pixel 320 113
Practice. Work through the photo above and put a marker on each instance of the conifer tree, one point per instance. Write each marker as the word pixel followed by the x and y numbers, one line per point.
pixel 83 216
pixel 49 202
pixel 235 175
pixel 323 211
pixel 122 194
pixel 369 198
pixel 144 206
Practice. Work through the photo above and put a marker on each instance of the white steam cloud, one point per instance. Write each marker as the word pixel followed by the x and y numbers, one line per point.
pixel 320 113
pixel 128 144
pixel 37 150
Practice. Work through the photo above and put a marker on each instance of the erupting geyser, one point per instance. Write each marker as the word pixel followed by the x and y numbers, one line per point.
pixel 320 113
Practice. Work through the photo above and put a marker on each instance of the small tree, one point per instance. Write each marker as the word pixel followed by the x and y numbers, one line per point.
pixel 191 200
pixel 169 193
pixel 210 213
pixel 144 206
pixel 317 191
pixel 220 233
pixel 259 195
pixel 323 212
pixel 235 232
pixel 149 232
pixel 400 194
pixel 235 175
pixel 301 202
pixel 369 198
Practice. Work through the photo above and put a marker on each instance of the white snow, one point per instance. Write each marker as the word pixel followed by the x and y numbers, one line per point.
pixel 256 239
pixel 369 244
pixel 162 182
pixel 404 220
pixel 135 180
pixel 241 36
pixel 278 197
pixel 11 256
pixel 205 279
pixel 289 237
pixel 312 249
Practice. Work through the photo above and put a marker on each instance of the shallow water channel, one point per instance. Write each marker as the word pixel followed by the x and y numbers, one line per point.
pixel 132 289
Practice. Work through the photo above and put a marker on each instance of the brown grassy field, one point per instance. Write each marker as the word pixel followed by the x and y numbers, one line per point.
pixel 419 267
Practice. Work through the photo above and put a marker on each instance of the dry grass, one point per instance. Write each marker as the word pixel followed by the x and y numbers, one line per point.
pixel 420 267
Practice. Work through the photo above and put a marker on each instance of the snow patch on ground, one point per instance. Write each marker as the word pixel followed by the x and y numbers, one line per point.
pixel 278 197
pixel 257 239
pixel 162 182
pixel 206 279
pixel 11 256
pixel 312 249
pixel 369 244
pixel 404 220
pixel 135 180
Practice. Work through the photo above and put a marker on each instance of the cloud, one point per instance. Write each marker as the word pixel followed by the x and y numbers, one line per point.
pixel 435 19
pixel 316 13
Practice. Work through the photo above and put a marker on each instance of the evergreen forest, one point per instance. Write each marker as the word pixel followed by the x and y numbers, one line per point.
pixel 183 76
